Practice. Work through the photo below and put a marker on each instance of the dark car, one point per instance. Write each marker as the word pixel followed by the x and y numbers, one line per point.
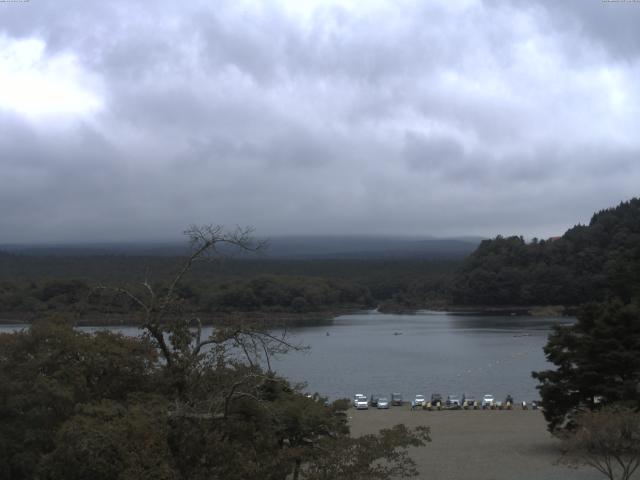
pixel 374 399
pixel 435 398
pixel 396 399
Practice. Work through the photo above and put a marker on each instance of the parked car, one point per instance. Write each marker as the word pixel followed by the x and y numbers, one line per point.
pixel 383 402
pixel 418 401
pixel 453 401
pixel 360 401
pixel 396 399
pixel 469 401
pixel 508 402
pixel 435 398
pixel 488 401
pixel 374 399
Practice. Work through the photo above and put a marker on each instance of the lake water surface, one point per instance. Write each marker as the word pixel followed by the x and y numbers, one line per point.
pixel 423 353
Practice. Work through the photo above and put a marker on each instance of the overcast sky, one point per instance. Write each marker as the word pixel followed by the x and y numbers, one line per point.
pixel 130 120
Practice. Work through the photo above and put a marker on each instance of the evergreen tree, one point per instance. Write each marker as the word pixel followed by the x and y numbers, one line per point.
pixel 597 360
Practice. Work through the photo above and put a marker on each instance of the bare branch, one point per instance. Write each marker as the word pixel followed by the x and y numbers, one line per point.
pixel 127 293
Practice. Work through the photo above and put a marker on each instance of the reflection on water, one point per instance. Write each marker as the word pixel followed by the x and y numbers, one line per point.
pixel 422 353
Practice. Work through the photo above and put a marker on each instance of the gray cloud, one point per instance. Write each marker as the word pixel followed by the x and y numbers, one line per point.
pixel 408 118
pixel 611 24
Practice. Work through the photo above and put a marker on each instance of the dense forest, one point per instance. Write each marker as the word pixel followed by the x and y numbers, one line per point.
pixel 596 359
pixel 172 404
pixel 35 284
pixel 589 262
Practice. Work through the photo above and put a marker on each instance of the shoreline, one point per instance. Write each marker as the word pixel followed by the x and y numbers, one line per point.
pixel 287 319
pixel 262 318
pixel 487 310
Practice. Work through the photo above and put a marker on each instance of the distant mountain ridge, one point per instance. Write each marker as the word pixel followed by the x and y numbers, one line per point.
pixel 369 247
pixel 284 247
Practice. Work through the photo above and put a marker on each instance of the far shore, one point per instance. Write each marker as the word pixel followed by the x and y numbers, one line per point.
pixel 261 318
pixel 478 444
pixel 278 319
pixel 488 310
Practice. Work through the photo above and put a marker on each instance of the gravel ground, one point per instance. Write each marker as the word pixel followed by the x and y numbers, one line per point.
pixel 478 444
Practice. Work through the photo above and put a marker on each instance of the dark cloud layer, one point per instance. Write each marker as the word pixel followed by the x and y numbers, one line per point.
pixel 130 120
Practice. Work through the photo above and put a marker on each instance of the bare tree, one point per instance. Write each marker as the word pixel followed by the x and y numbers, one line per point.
pixel 179 338
pixel 222 392
pixel 607 440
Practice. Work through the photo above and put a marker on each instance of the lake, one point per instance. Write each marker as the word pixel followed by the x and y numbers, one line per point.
pixel 426 352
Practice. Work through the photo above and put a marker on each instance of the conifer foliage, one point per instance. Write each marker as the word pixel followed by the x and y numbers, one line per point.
pixel 588 263
pixel 597 362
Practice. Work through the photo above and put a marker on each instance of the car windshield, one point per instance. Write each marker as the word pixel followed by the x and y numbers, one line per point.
pixel 382 399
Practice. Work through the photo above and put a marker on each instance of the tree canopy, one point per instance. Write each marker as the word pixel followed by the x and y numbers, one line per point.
pixel 171 404
pixel 598 358
pixel 587 263
pixel 597 362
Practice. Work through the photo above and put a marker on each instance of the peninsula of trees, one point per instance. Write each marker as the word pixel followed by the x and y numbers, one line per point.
pixel 588 263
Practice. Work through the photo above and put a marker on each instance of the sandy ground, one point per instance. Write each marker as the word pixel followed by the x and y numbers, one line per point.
pixel 478 444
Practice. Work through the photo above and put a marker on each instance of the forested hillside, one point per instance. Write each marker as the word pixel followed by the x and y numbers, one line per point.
pixel 589 262
pixel 35 284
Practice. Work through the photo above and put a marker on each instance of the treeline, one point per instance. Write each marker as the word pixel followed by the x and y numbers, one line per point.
pixel 588 263
pixel 37 285
pixel 264 293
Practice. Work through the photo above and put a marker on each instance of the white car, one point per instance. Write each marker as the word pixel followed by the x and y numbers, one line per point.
pixel 360 401
pixel 488 401
pixel 418 401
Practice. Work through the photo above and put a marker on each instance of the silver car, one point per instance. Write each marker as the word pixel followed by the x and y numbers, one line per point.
pixel 383 402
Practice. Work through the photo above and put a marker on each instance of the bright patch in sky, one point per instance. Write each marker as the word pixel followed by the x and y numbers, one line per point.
pixel 34 85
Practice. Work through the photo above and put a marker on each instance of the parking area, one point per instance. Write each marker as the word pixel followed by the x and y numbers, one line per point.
pixel 477 444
